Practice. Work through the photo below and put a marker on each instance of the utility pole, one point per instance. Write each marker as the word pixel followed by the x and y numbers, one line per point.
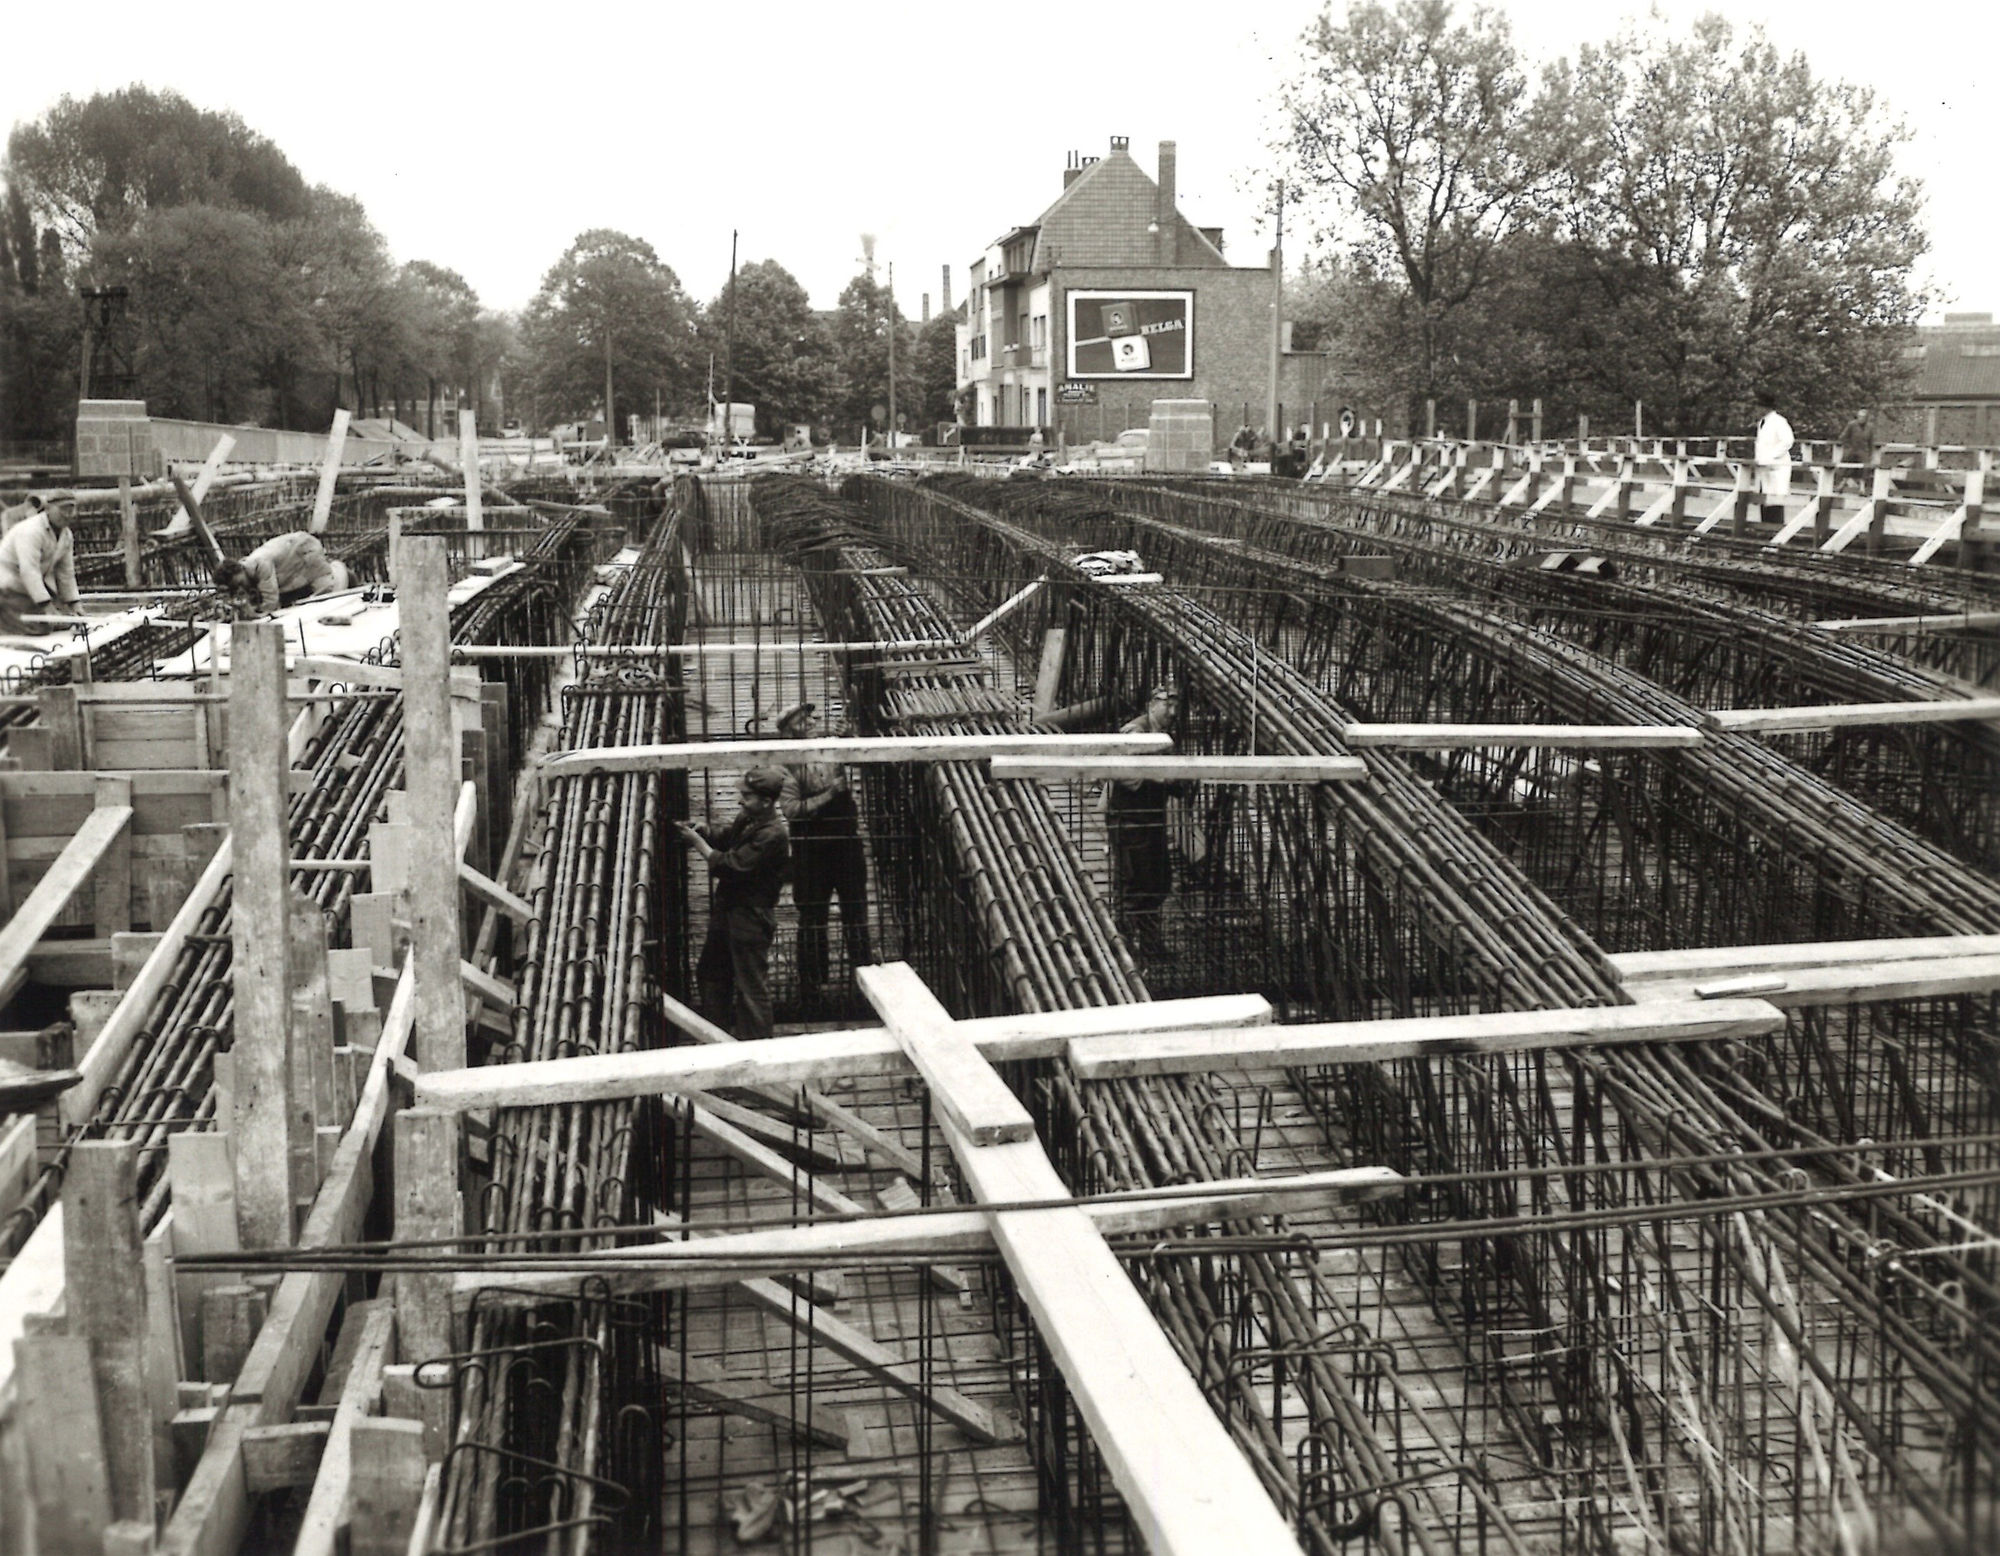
pixel 729 350
pixel 1271 428
pixel 892 354
pixel 610 405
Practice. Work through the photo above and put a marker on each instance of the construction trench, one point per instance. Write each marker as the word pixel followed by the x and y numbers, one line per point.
pixel 1553 1108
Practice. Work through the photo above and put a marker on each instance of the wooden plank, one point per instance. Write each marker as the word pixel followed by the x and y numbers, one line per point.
pixel 929 748
pixel 431 768
pixel 278 1458
pixel 214 1508
pixel 1416 1037
pixel 1185 769
pixel 266 1127
pixel 1048 675
pixel 329 473
pixel 386 1481
pixel 1852 983
pixel 1147 1416
pixel 1447 737
pixel 899 1373
pixel 1957 621
pixel 1721 961
pixel 761 1400
pixel 108 1053
pixel 53 892
pixel 468 460
pixel 103 1253
pixel 1848 715
pixel 491 892
pixel 963 1085
pixel 111 881
pixel 761 1158
pixel 61 1428
pixel 428 1204
pixel 722 1258
pixel 817 1056
pixel 497 992
pixel 326 1509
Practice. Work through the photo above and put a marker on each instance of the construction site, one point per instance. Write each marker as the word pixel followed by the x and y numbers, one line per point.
pixel 1450 1006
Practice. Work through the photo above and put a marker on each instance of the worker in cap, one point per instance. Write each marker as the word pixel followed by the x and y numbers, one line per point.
pixel 828 857
pixel 1135 813
pixel 746 863
pixel 38 563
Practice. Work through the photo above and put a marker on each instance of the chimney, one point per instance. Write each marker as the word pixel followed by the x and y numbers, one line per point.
pixel 1165 216
pixel 945 306
pixel 1071 169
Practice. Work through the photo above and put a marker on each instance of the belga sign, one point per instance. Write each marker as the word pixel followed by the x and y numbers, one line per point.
pixel 1131 335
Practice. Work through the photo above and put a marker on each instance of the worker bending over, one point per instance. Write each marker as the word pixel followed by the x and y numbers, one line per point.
pixel 284 570
pixel 38 563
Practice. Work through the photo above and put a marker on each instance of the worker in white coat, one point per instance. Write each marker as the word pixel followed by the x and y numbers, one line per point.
pixel 1774 459
pixel 38 563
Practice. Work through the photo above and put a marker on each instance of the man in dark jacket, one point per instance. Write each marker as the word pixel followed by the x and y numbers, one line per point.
pixel 747 861
pixel 1135 812
pixel 828 859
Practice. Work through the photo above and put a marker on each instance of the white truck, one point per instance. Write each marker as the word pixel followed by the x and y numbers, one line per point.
pixel 732 423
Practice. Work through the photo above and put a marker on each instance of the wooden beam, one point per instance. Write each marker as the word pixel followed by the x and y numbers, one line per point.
pixel 1723 961
pixel 723 1258
pixel 73 866
pixel 468 652
pixel 468 463
pixel 386 1485
pixel 1848 715
pixel 492 893
pixel 1595 737
pixel 898 1372
pixel 1146 1413
pixel 329 473
pixel 1417 1037
pixel 761 1400
pixel 964 1087
pixel 1852 983
pixel 931 748
pixel 761 1158
pixel 817 1056
pixel 431 765
pixel 103 1251
pixel 266 1128
pixel 497 992
pixel 1185 769
pixel 1960 621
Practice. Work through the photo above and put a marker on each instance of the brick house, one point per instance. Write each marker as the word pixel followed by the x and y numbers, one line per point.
pixel 1955 396
pixel 1111 300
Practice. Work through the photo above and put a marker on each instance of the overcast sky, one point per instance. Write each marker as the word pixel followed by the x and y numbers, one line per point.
pixel 486 137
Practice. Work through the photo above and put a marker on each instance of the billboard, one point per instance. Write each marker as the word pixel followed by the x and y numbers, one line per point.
pixel 1131 334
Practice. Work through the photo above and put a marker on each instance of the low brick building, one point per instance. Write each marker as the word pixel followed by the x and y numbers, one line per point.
pixel 1111 300
pixel 1955 397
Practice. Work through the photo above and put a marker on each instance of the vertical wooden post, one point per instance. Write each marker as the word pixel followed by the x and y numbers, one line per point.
pixel 386 1482
pixel 312 1038
pixel 1535 417
pixel 128 529
pixel 56 1414
pixel 265 1124
pixel 1582 432
pixel 427 1205
pixel 431 766
pixel 468 458
pixel 329 473
pixel 1430 418
pixel 62 716
pixel 1472 421
pixel 103 1257
pixel 1513 421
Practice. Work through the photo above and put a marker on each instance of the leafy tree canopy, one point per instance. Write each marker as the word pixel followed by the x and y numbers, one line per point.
pixel 779 349
pixel 609 298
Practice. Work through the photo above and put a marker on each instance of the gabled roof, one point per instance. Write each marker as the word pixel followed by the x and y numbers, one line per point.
pixel 1102 217
pixel 1959 363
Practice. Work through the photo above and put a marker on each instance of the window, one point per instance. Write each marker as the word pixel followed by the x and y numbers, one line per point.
pixel 1041 407
pixel 1040 335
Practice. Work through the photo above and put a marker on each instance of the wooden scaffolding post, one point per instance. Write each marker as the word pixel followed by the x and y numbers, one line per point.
pixel 265 1123
pixel 431 765
pixel 103 1252
pixel 428 1205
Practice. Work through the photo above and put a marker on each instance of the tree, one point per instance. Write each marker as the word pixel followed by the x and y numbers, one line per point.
pixel 934 372
pixel 211 305
pixel 41 327
pixel 1422 132
pixel 609 299
pixel 779 349
pixel 1749 222
pixel 99 165
pixel 862 323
